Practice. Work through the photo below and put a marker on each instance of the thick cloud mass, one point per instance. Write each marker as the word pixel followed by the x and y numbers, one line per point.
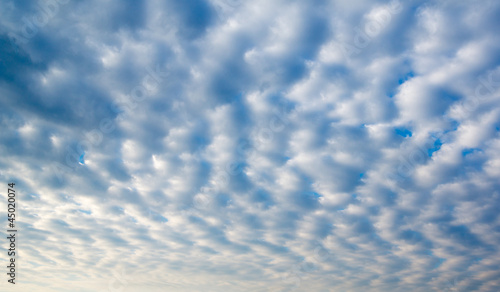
pixel 229 145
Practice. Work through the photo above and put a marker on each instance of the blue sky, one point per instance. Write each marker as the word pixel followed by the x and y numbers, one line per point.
pixel 229 145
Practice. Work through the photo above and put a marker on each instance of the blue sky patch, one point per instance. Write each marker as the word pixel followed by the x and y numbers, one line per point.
pixel 85 211
pixel 81 160
pixel 403 132
pixel 406 77
pixel 469 151
pixel 437 146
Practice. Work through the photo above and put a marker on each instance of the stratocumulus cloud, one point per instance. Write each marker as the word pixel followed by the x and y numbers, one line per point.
pixel 229 145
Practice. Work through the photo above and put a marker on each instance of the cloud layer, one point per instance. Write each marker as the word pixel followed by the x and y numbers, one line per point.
pixel 231 145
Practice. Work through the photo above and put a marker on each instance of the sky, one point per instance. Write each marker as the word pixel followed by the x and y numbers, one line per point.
pixel 265 145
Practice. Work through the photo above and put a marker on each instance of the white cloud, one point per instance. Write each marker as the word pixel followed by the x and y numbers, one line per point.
pixel 260 144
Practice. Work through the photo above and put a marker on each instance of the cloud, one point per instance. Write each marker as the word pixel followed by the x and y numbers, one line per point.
pixel 252 146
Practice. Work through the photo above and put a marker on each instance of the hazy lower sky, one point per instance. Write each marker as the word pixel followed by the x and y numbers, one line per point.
pixel 265 145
